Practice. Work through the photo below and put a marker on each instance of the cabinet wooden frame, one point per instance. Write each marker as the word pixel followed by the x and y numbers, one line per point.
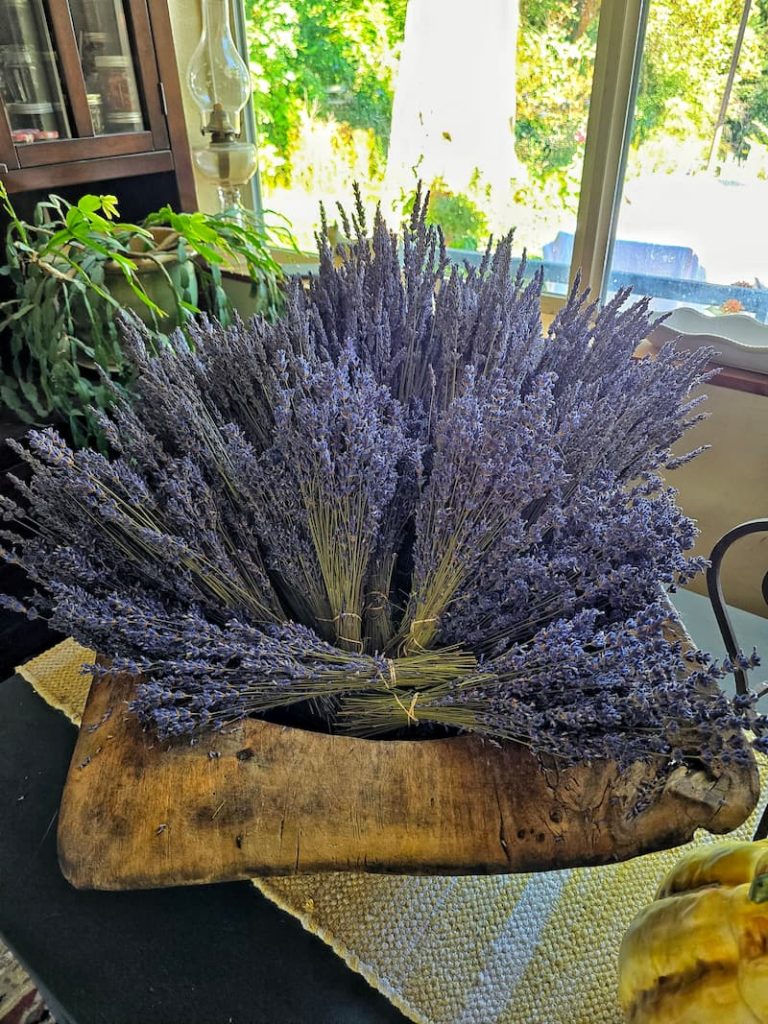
pixel 163 143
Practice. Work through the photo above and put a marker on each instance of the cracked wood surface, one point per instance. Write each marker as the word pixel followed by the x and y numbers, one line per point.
pixel 263 799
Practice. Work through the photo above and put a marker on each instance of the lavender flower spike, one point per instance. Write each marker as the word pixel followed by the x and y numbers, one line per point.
pixel 403 506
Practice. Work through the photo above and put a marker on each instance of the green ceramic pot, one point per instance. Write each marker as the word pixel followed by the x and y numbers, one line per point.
pixel 163 277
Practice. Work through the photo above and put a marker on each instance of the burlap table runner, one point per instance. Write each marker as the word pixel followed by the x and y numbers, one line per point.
pixel 518 949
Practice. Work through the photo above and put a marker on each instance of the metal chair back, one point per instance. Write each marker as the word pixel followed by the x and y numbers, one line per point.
pixel 715 590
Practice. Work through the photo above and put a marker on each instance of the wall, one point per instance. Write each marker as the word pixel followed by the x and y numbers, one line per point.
pixel 187 23
pixel 728 485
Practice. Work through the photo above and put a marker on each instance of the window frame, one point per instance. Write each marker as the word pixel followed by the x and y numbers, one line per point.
pixel 618 56
pixel 618 59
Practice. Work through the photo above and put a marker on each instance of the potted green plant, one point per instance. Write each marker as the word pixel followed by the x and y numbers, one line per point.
pixel 74 267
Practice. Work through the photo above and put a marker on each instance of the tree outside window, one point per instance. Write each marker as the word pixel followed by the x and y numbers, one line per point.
pixel 490 109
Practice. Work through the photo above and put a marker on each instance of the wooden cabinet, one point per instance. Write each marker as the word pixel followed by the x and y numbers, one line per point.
pixel 89 91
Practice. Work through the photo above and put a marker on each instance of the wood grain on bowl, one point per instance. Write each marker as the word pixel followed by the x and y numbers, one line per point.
pixel 264 799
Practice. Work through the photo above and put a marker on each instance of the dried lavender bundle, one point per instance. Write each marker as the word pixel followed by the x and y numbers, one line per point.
pixel 402 504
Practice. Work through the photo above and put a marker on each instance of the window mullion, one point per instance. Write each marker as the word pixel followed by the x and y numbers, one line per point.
pixel 250 134
pixel 617 59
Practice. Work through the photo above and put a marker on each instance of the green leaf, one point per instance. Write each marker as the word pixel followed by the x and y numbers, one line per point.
pixel 31 394
pixel 210 255
pixel 109 206
pixel 89 203
pixel 126 265
pixel 10 398
pixel 21 312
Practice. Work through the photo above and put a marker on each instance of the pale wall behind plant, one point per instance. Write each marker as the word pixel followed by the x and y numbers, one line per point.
pixel 729 485
pixel 187 22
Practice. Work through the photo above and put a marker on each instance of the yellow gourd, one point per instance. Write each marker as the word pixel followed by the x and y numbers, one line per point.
pixel 699 953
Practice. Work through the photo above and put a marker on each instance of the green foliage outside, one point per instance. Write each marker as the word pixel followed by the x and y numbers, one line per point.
pixel 464 224
pixel 555 57
pixel 335 59
pixel 748 120
pixel 325 74
pixel 688 51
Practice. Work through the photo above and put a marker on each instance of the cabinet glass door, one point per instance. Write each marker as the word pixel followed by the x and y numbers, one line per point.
pixel 29 76
pixel 108 67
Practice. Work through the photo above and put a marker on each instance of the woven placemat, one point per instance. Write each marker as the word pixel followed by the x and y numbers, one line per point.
pixel 515 949
pixel 20 1002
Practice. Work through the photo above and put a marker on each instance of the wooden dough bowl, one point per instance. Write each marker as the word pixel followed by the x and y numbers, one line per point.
pixel 263 799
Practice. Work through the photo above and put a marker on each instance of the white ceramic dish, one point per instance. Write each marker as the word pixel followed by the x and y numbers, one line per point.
pixel 739 340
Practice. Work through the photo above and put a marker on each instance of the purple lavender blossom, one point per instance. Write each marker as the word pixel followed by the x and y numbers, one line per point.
pixel 402 503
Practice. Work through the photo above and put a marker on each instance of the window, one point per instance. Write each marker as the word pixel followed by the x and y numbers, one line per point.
pixel 489 110
pixel 693 214
pixel 628 138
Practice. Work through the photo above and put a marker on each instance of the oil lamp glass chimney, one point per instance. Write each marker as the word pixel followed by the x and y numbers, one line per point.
pixel 220 84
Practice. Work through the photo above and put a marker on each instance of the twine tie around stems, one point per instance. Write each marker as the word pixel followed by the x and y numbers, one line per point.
pixel 411 643
pixel 337 619
pixel 378 607
pixel 407 710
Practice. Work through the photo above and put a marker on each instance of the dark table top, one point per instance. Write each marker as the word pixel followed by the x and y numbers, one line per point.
pixel 216 954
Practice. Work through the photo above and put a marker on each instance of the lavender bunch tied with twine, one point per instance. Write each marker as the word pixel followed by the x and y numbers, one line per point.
pixel 403 505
